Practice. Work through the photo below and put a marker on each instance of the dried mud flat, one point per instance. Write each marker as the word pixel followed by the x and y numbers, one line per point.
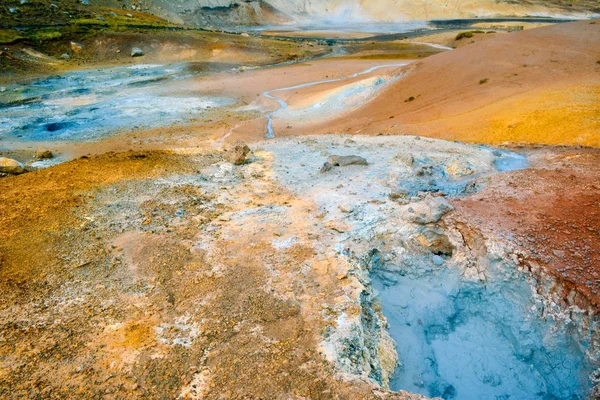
pixel 105 293
pixel 177 274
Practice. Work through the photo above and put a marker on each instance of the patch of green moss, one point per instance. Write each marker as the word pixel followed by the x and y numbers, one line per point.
pixel 467 34
pixel 45 35
pixel 9 36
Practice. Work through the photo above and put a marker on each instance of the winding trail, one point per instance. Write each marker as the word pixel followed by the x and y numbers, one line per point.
pixel 270 134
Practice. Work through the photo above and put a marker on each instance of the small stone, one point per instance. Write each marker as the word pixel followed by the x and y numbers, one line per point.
pixel 344 161
pixel 405 158
pixel 428 211
pixel 65 57
pixel 326 168
pixel 346 208
pixel 44 155
pixel 76 47
pixel 237 154
pixel 137 52
pixel 400 196
pixel 458 168
pixel 425 170
pixel 10 166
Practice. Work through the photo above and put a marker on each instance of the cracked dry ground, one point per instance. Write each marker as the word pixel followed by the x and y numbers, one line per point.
pixel 105 291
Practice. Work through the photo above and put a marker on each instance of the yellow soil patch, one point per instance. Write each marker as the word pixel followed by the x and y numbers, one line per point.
pixel 556 116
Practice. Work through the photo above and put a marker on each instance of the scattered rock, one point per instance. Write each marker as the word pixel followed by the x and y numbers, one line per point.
pixel 425 170
pixel 137 52
pixel 44 155
pixel 405 158
pixel 326 167
pixel 65 57
pixel 346 208
pixel 459 168
pixel 342 161
pixel 400 196
pixel 237 154
pixel 245 34
pixel 76 47
pixel 428 211
pixel 10 166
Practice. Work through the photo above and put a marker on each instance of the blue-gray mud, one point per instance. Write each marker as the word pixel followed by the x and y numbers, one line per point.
pixel 470 318
pixel 471 339
pixel 90 104
pixel 462 339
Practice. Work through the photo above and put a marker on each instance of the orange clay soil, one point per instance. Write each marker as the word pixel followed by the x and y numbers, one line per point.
pixel 537 86
pixel 550 213
pixel 99 279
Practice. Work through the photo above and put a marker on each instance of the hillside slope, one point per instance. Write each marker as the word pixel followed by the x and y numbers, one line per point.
pixel 266 12
pixel 536 86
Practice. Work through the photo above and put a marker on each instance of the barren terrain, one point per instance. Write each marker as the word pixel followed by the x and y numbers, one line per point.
pixel 362 242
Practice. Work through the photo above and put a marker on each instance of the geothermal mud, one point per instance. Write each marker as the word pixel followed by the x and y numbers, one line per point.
pixel 231 276
pixel 91 104
pixel 468 323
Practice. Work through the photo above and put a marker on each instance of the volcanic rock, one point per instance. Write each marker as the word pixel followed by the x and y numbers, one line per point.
pixel 10 166
pixel 237 154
